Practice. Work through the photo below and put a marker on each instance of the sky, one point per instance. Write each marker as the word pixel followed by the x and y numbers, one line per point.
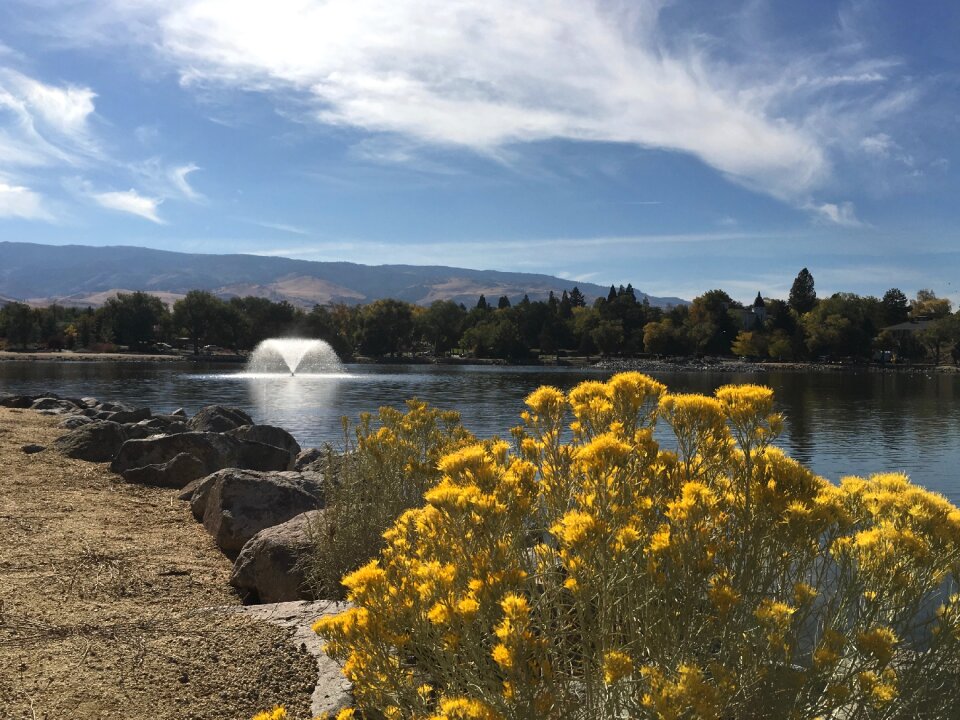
pixel 678 146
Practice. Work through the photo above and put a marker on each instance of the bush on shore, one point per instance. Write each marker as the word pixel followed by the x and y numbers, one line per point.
pixel 387 465
pixel 587 571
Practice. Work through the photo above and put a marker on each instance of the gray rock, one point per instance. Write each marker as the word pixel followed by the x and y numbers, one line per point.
pixel 216 418
pixel 241 503
pixel 21 402
pixel 269 567
pixel 96 441
pixel 179 412
pixel 32 448
pixel 310 458
pixel 125 417
pixel 187 491
pixel 213 450
pixel 89 402
pixel 175 473
pixel 114 407
pixel 260 456
pixel 198 499
pixel 72 422
pixel 55 405
pixel 268 435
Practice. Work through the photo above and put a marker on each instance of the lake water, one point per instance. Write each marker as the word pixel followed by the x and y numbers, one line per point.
pixel 836 423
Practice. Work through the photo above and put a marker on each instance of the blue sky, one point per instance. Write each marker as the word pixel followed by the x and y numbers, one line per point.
pixel 679 146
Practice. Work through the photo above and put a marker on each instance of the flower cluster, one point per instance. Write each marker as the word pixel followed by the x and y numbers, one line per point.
pixel 640 554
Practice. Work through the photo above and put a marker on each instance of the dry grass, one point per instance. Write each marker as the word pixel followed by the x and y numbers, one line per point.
pixel 102 586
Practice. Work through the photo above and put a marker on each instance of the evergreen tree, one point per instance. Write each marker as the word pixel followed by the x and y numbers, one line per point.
pixel 482 303
pixel 802 295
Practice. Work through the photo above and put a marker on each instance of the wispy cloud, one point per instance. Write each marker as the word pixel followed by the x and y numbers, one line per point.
pixel 282 227
pixel 178 177
pixel 842 214
pixel 491 76
pixel 17 201
pixel 130 201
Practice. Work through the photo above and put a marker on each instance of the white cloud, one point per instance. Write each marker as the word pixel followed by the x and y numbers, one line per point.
pixel 21 202
pixel 880 145
pixel 842 214
pixel 178 176
pixel 484 75
pixel 42 124
pixel 130 201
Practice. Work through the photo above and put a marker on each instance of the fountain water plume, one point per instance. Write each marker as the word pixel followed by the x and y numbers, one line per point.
pixel 290 355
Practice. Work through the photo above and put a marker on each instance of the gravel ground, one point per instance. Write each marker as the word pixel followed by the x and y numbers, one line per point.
pixel 109 598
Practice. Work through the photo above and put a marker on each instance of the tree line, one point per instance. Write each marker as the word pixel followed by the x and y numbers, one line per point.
pixel 800 327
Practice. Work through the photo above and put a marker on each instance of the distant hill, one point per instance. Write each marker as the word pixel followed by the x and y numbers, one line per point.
pixel 81 275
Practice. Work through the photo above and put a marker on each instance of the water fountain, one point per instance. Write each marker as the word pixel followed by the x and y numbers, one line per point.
pixel 293 355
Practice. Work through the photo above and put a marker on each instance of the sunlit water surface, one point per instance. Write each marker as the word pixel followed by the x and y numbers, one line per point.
pixel 837 423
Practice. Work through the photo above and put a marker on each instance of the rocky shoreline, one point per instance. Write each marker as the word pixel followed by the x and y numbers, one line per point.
pixel 252 487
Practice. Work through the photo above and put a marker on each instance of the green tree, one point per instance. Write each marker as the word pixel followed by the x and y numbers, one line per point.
pixel 18 324
pixel 608 336
pixel 711 326
pixel 802 294
pixel 928 305
pixel 441 325
pixel 387 328
pixel 197 315
pixel 134 319
pixel 896 307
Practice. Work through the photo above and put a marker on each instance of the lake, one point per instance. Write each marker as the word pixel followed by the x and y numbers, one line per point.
pixel 836 423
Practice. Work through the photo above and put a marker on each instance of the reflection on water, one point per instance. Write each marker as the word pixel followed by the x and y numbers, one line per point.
pixel 838 424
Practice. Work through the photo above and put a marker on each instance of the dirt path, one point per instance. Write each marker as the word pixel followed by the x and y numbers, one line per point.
pixel 103 587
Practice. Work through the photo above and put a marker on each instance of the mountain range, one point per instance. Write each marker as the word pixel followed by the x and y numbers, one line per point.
pixel 82 275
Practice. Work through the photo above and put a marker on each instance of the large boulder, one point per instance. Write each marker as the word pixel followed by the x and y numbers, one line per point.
pixel 216 418
pixel 177 472
pixel 96 441
pixel 310 459
pixel 72 422
pixel 240 503
pixel 125 417
pixel 212 450
pixel 16 401
pixel 268 435
pixel 270 566
pixel 53 404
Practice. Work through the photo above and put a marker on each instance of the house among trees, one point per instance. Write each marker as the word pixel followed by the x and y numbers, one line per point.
pixel 753 317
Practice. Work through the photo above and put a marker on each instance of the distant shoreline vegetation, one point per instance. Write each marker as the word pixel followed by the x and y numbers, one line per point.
pixel 843 326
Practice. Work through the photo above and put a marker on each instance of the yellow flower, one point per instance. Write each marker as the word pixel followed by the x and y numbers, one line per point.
pixel 878 642
pixel 774 613
pixel 278 713
pixel 616 665
pixel 502 656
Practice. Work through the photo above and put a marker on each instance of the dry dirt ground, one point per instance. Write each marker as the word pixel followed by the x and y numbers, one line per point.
pixel 106 592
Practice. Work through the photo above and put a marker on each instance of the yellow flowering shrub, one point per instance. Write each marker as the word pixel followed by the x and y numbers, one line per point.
pixel 595 569
pixel 389 461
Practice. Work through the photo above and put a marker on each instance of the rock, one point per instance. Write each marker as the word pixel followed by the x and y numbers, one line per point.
pixel 187 491
pixel 269 565
pixel 259 456
pixel 216 418
pixel 179 412
pixel 309 458
pixel 177 472
pixel 241 503
pixel 53 404
pixel 21 402
pixel 74 421
pixel 131 416
pixel 198 499
pixel 213 450
pixel 114 407
pixel 32 448
pixel 89 402
pixel 96 441
pixel 163 424
pixel 268 435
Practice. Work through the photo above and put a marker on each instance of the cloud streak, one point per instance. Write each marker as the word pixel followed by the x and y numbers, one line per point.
pixel 130 201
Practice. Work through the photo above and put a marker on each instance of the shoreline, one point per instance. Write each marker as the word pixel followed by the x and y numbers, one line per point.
pixel 679 364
